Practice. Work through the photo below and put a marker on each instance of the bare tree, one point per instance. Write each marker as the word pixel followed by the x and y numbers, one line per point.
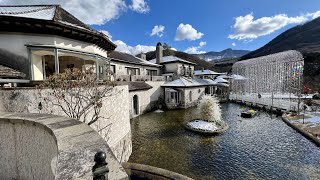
pixel 77 93
pixel 166 46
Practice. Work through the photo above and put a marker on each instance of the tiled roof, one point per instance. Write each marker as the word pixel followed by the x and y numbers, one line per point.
pixel 45 12
pixel 205 72
pixel 135 86
pixel 189 82
pixel 221 80
pixel 128 58
pixel 169 59
pixel 52 18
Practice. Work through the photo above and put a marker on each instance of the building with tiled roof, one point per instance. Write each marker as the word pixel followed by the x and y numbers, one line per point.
pixel 39 40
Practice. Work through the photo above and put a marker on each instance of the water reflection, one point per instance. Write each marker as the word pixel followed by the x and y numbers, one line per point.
pixel 258 148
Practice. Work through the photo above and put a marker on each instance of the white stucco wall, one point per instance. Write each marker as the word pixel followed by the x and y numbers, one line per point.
pixel 196 92
pixel 148 99
pixel 27 151
pixel 114 127
pixel 172 67
pixel 37 67
pixel 176 67
pixel 184 93
pixel 15 43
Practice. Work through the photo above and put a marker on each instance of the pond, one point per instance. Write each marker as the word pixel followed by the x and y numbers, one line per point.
pixel 263 147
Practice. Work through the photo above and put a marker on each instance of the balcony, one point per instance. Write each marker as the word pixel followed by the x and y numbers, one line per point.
pixel 139 78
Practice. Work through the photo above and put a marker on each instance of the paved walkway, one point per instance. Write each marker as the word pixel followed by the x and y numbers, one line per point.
pixel 309 122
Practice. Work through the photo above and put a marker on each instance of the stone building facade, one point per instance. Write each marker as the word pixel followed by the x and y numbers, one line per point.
pixel 114 128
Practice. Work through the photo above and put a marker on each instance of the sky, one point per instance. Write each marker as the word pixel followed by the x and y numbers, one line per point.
pixel 192 26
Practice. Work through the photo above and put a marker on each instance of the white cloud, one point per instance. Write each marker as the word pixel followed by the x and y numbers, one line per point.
pixel 139 6
pixel 174 49
pixel 106 33
pixel 134 50
pixel 233 44
pixel 196 49
pixel 157 30
pixel 90 11
pixel 187 32
pixel 246 27
pixel 202 43
pixel 313 15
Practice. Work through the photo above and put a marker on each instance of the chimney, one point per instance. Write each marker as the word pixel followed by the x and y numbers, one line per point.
pixel 202 69
pixel 159 53
pixel 143 56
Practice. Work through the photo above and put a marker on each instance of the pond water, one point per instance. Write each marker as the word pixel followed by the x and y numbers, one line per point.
pixel 263 147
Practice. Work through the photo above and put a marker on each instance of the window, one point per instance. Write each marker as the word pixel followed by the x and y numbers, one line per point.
pixel 70 66
pixel 189 71
pixel 151 72
pixel 133 71
pixel 183 70
pixel 190 95
pixel 113 69
pixel 199 91
pixel 173 97
pixel 100 69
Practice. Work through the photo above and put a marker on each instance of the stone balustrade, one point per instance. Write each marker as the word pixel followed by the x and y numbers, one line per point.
pixel 158 78
pixel 41 146
pixel 123 78
pixel 139 78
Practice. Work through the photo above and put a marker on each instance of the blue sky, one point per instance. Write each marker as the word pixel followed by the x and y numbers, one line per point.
pixel 214 19
pixel 193 26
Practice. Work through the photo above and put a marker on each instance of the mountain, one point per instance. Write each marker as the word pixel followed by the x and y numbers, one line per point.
pixel 189 57
pixel 304 38
pixel 222 55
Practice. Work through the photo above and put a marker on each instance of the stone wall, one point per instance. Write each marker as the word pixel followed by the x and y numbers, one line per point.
pixel 42 146
pixel 114 127
pixel 27 151
pixel 148 99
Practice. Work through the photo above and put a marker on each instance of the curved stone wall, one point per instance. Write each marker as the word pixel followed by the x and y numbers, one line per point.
pixel 40 146
pixel 142 171
pixel 27 150
pixel 114 128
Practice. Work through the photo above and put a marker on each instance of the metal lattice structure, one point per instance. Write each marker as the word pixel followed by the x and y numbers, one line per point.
pixel 268 80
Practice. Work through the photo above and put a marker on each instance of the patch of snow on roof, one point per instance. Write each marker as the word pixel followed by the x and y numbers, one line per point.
pixel 238 77
pixel 205 72
pixel 189 82
pixel 221 80
pixel 147 62
pixel 224 76
pixel 70 24
pixel 167 59
pixel 34 12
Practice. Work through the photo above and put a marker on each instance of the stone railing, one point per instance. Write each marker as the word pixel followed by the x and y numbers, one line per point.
pixel 122 78
pixel 141 171
pixel 158 78
pixel 40 146
pixel 140 78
